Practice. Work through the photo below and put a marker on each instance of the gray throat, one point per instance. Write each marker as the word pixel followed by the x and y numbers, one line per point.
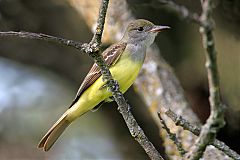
pixel 137 51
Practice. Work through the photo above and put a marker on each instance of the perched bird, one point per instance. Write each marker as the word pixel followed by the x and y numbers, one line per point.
pixel 124 58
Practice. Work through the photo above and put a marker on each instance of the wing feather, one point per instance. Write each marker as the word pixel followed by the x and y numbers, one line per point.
pixel 110 56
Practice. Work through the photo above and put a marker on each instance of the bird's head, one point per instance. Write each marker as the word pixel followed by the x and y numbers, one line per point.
pixel 142 32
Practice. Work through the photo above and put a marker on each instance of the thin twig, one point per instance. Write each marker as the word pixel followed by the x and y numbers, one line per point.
pixel 43 37
pixel 93 49
pixel 180 121
pixel 183 11
pixel 100 22
pixel 172 136
pixel 216 118
pixel 186 125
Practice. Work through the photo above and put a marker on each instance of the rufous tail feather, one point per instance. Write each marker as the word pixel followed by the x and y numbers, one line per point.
pixel 54 133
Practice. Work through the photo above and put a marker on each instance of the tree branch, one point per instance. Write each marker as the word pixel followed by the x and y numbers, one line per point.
pixel 93 49
pixel 100 22
pixel 216 118
pixel 43 37
pixel 186 125
pixel 172 136
pixel 183 11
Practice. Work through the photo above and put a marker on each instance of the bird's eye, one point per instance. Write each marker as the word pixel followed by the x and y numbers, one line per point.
pixel 140 29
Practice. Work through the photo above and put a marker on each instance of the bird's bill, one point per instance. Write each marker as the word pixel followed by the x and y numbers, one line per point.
pixel 159 28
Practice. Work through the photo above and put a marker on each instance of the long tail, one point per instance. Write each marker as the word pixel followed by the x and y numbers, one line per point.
pixel 54 133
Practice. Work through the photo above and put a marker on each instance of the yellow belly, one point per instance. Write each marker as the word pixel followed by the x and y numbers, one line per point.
pixel 124 71
pixel 127 74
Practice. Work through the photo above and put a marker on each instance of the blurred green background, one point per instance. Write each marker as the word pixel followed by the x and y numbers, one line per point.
pixel 38 80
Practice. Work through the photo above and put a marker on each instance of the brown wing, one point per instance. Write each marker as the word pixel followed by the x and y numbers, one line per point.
pixel 110 56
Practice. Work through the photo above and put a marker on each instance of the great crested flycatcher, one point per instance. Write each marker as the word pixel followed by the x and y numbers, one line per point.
pixel 124 59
